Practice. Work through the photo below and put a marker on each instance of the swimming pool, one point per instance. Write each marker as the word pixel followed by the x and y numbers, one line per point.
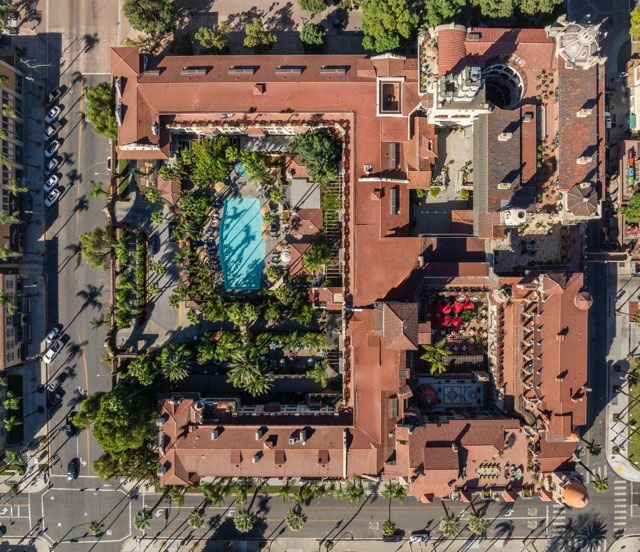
pixel 240 169
pixel 241 244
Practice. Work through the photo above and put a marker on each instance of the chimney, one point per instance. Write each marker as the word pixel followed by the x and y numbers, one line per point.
pixel 584 160
pixel 215 434
pixel 259 434
pixel 454 447
pixel 256 458
pixel 560 336
pixel 505 136
pixel 303 436
pixel 559 379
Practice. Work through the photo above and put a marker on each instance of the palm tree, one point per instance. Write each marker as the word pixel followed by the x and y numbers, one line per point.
pixel 601 484
pixel 152 195
pixel 4 160
pixel 195 519
pixel 295 518
pixel 11 422
pixel 394 490
pixel 176 362
pixel 449 526
pixel 9 218
pixel 96 189
pixel 594 448
pixel 478 523
pixel 259 383
pixel 354 491
pixel 319 372
pixel 436 355
pixel 6 302
pixel 14 489
pixel 215 493
pixel 244 521
pixel 242 490
pixel 95 528
pixel 6 252
pixel 95 323
pixel 316 257
pixel 4 381
pixel 283 492
pixel 141 520
pixel 12 402
pixel 388 528
pixel 8 111
pixel 15 188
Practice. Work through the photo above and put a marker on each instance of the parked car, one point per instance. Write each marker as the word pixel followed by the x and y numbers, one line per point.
pixel 53 385
pixel 53 334
pixel 52 114
pixel 171 227
pixel 51 130
pixel 419 536
pixel 50 183
pixel 53 196
pixel 52 352
pixel 56 94
pixel 52 148
pixel 607 120
pixel 69 428
pixel 154 244
pixel 72 469
pixel 53 164
pixel 109 164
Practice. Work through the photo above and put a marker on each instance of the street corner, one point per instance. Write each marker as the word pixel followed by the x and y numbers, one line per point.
pixel 68 514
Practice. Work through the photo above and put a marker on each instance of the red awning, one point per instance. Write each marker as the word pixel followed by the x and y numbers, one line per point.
pixel 468 305
pixel 457 321
pixel 447 321
pixel 458 307
pixel 446 309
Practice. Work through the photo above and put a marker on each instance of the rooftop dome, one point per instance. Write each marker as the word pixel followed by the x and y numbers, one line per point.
pixel 583 300
pixel 582 200
pixel 575 495
pixel 576 43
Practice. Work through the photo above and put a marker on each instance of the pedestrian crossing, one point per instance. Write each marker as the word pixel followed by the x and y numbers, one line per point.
pixel 558 518
pixel 620 504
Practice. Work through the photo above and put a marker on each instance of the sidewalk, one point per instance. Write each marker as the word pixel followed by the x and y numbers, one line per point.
pixel 135 544
pixel 625 336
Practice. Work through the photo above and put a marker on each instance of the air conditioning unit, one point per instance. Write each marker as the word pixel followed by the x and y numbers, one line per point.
pixel 215 434
pixel 161 471
pixel 292 440
pixel 256 458
pixel 160 421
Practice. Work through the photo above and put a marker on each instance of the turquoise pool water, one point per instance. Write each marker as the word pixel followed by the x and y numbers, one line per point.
pixel 240 169
pixel 241 244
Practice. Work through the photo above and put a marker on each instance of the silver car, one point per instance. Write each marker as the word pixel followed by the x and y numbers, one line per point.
pixel 52 352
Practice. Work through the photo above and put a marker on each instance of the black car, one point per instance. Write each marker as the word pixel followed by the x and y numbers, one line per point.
pixel 171 227
pixel 72 469
pixel 56 94
pixel 69 428
pixel 154 244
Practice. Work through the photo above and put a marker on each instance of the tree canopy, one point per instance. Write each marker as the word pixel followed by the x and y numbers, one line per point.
pixel 441 11
pixel 313 33
pixel 213 38
pixel 122 418
pixel 96 246
pixel 209 160
pixel 386 23
pixel 314 6
pixel 151 16
pixel 634 31
pixel 101 104
pixel 320 151
pixel 257 36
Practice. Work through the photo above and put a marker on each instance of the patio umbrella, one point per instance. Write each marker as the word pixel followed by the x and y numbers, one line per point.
pixel 447 321
pixel 468 305
pixel 446 309
pixel 458 307
pixel 456 321
pixel 439 306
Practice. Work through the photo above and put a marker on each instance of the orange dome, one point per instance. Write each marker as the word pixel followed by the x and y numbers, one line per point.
pixel 575 495
pixel 583 300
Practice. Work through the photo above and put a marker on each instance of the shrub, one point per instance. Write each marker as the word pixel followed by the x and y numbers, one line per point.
pixel 320 151
pixel 435 191
pixel 314 6
pixel 313 33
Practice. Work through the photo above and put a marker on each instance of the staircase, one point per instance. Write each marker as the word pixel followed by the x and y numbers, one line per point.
pixel 333 236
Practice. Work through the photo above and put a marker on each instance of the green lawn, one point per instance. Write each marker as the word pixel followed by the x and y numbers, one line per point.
pixel 634 416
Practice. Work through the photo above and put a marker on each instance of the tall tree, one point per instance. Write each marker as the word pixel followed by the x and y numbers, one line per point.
pixel 601 483
pixel 97 246
pixel 244 521
pixel 9 218
pixel 534 7
pixel 442 11
pixel 634 30
pixel 12 401
pixel 15 188
pixel 317 256
pixel 320 151
pixel 386 23
pixel 101 104
pixel 256 36
pixel 213 38
pixel 7 302
pixel 141 520
pixel 313 6
pixel 7 253
pixel 436 355
pixel 151 16
pixel 12 421
pixel 449 526
pixel 478 523
pixel 195 520
pixel 313 33
pixel 175 362
pixel 295 518
pixel 495 8
pixel 95 528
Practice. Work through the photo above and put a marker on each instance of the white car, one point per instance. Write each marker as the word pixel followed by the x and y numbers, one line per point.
pixel 53 147
pixel 50 183
pixel 53 164
pixel 53 196
pixel 53 334
pixel 53 113
pixel 52 352
pixel 419 536
pixel 53 385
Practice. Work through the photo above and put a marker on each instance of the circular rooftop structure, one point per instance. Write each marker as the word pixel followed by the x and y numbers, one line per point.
pixel 583 300
pixel 577 43
pixel 504 85
pixel 582 200
pixel 575 495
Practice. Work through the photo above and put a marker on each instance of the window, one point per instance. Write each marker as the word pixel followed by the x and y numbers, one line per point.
pixel 9 332
pixel 334 68
pixel 251 69
pixel 290 69
pixel 10 344
pixel 10 357
pixel 9 284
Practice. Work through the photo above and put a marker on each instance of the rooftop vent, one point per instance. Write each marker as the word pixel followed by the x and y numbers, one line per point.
pixel 215 434
pixel 368 169
pixel 256 458
pixel 162 470
pixel 584 112
pixel 152 72
pixel 335 69
pixel 160 420
pixel 504 136
pixel 584 160
pixel 154 129
pixel 290 69
pixel 293 440
pixel 473 37
pixel 303 436
pixel 527 117
pixel 251 69
pixel 194 70
pixel 259 434
pixel 504 185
